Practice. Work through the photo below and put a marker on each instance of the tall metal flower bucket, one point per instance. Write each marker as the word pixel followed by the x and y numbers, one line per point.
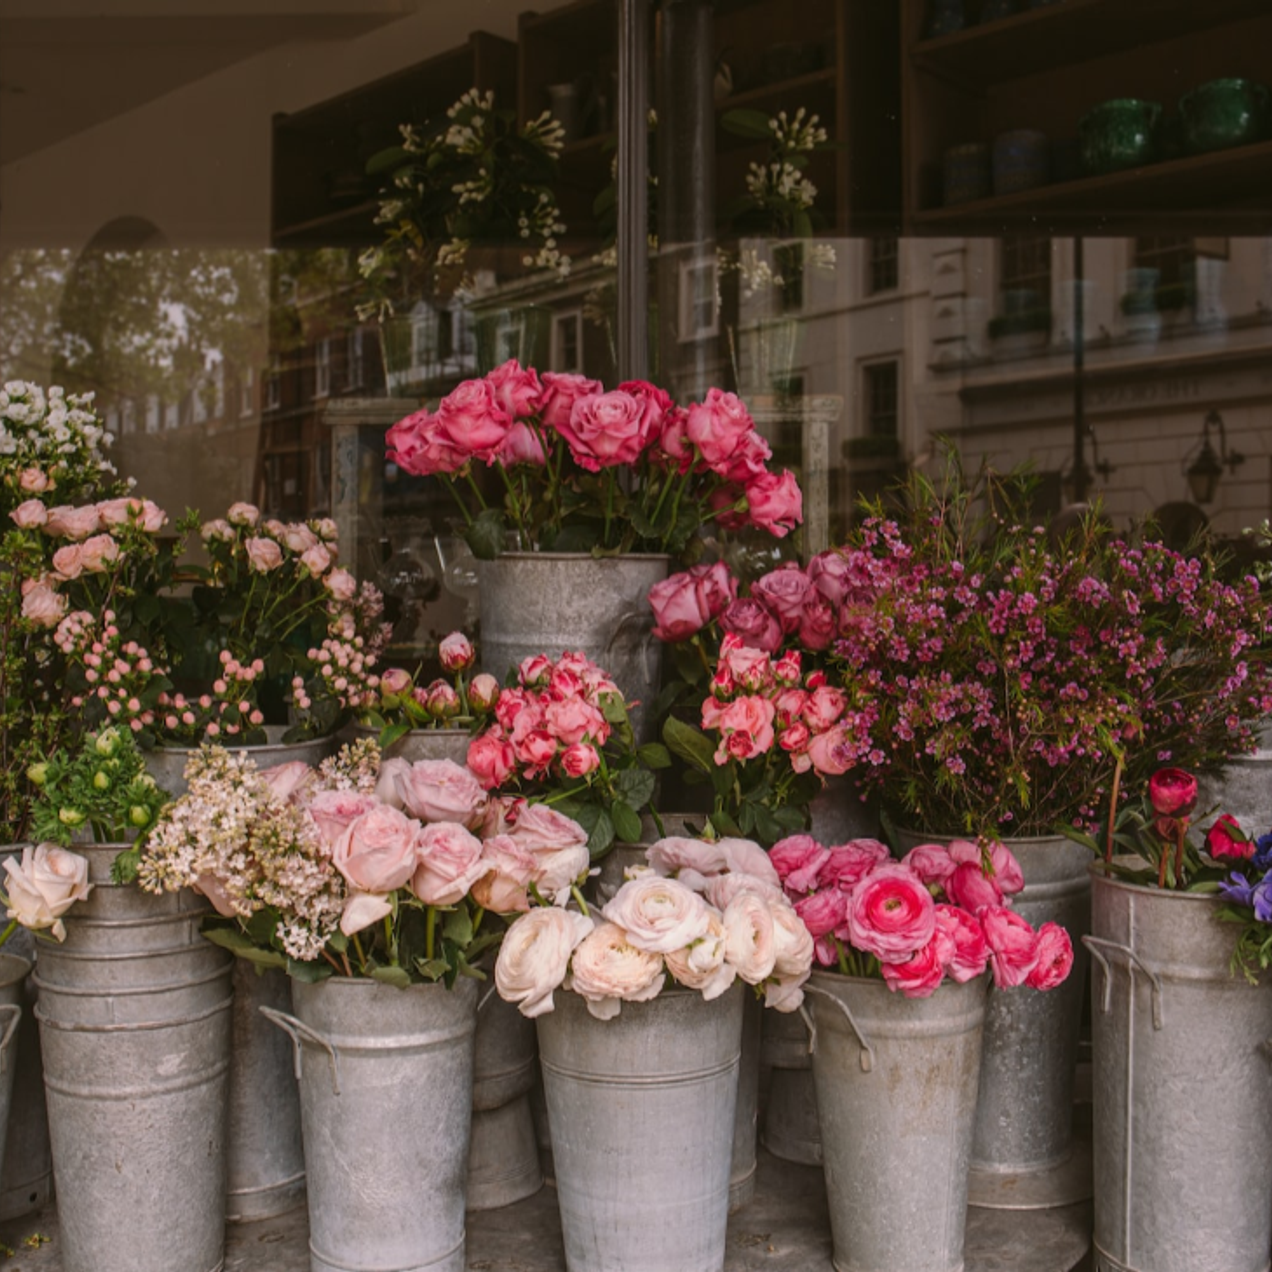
pixel 166 764
pixel 264 1153
pixel 503 1156
pixel 896 1090
pixel 837 813
pixel 1023 1154
pixel 551 602
pixel 1182 1087
pixel 134 1011
pixel 13 974
pixel 642 1114
pixel 386 1088
pixel 417 744
pixel 791 1129
pixel 744 1163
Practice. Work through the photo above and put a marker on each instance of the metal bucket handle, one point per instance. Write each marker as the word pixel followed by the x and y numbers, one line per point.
pixel 14 1012
pixel 297 1029
pixel 629 617
pixel 867 1051
pixel 486 997
pixel 1094 944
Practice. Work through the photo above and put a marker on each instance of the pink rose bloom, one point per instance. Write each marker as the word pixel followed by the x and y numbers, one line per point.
pixel 363 910
pixel 750 942
pixel 824 707
pixel 119 512
pixel 96 553
pixel 218 529
pixel 450 862
pixel 823 911
pixel 1172 792
pixel 536 749
pixel 784 592
pixel 575 719
pixel 504 888
pixel 227 902
pixel 521 445
pixel 288 782
pixel 673 446
pixel 747 462
pixel 607 970
pixel 41 605
pixel 744 665
pixel 534 957
pixel 376 852
pixel 891 914
pixel 579 760
pixel 535 670
pixel 831 753
pixel 685 603
pixel 753 623
pixel 395 682
pixel 456 653
pixel 789 705
pixel 775 503
pixel 243 514
pixel 849 863
pixel 969 886
pixel 299 538
pixel 920 974
pixel 560 392
pixel 263 555
pixel 516 390
pixel 605 430
pixel 440 791
pixel 655 403
pixel 798 860
pixel 968 952
pixel 472 419
pixel 1055 958
pixel 543 828
pixel 931 862
pixel 72 523
pixel 333 812
pixel 1013 945
pixel 29 515
pixel 658 915
pixel 746 728
pixel 317 560
pixel 1225 838
pixel 483 692
pixel 418 445
pixel 34 481
pixel 68 561
pixel 491 758
pixel 341 584
pixel 717 425
pixel 830 574
pixel 818 625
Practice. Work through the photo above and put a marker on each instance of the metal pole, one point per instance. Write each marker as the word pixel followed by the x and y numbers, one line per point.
pixel 1079 362
pixel 633 164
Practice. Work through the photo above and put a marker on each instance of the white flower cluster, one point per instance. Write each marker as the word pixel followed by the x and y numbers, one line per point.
pixel 782 180
pixel 52 433
pixel 803 132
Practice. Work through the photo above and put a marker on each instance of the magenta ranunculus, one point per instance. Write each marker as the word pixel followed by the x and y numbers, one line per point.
pixel 798 860
pixel 849 863
pixel 775 503
pixel 968 952
pixel 1055 958
pixel 919 975
pixel 784 592
pixel 1226 839
pixel 823 911
pixel 686 602
pixel 1013 945
pixel 1173 792
pixel 754 623
pixel 969 886
pixel 891 913
pixel 931 862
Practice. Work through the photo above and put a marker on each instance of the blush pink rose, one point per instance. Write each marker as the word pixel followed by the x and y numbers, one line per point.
pixel 119 512
pixel 831 753
pixel 1013 945
pixel 534 957
pixel 968 951
pixel 746 729
pixel 1055 958
pixel 560 392
pixel 68 562
pixel 784 592
pixel 41 605
pixel 333 812
pixel 298 538
pixel 920 974
pixel 472 419
pixel 449 861
pixel 774 503
pixel 243 514
pixel 686 602
pixel 219 529
pixel 513 866
pixel 341 584
pixel 891 913
pixel 289 782
pixel 363 910
pixel 605 430
pixel 73 523
pixel 440 791
pixel 263 555
pixel 753 623
pixel 376 852
pixel 491 758
pixel 579 760
pixel 798 860
pixel 34 481
pixel 516 390
pixel 29 515
pixel 97 552
pixel 317 560
pixel 717 425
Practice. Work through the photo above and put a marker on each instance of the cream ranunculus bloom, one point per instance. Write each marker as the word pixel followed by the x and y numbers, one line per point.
pixel 608 970
pixel 749 939
pixel 46 884
pixel 658 915
pixel 535 955
pixel 702 964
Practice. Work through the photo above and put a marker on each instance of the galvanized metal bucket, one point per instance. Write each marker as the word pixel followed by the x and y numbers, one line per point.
pixel 1023 1154
pixel 896 1089
pixel 642 1116
pixel 837 813
pixel 13 975
pixel 743 1162
pixel 503 1156
pixel 418 744
pixel 265 1156
pixel 386 1088
pixel 1243 788
pixel 166 764
pixel 1182 1087
pixel 134 1011
pixel 551 602
pixel 791 1129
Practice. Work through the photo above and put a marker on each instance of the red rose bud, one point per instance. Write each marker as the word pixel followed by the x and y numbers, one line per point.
pixel 1226 839
pixel 1172 792
pixel 456 653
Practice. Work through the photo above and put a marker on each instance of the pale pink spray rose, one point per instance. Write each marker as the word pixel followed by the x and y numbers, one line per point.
pixel 579 760
pixel 746 728
pixel 143 513
pixel 535 956
pixel 34 481
pixel 44 885
pixel 97 552
pixel 68 562
pixel 450 862
pixel 41 605
pixel 1013 945
pixel 891 914
pixel 263 555
pixel 376 852
pixel 608 970
pixel 217 529
pixel 658 914
pixel 440 791
pixel 29 515
pixel 299 538
pixel 750 944
pixel 513 866
pixel 65 522
pixel 702 964
pixel 243 514
pixel 341 584
pixel 317 560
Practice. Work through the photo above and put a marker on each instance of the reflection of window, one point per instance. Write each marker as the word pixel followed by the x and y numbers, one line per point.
pixel 128 416
pixel 881 392
pixel 273 385
pixel 567 344
pixel 172 415
pixel 353 358
pixel 1172 256
pixel 152 414
pixel 788 264
pixel 698 305
pixel 445 335
pixel 884 272
pixel 247 386
pixel 322 368
pixel 1024 276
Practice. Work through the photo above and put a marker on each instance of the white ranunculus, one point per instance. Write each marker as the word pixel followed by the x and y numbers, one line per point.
pixel 608 970
pixel 535 955
pixel 749 943
pixel 46 884
pixel 658 915
pixel 702 965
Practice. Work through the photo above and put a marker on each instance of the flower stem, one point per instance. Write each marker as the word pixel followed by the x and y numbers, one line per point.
pixel 430 932
pixel 578 896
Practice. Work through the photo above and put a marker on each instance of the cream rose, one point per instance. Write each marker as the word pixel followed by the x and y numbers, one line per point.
pixel 44 886
pixel 608 970
pixel 535 955
pixel 659 915
pixel 749 939
pixel 702 965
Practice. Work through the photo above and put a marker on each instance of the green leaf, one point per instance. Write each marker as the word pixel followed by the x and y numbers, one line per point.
pixel 598 842
pixel 692 745
pixel 747 123
pixel 432 968
pixel 636 786
pixel 626 822
pixel 769 828
pixel 654 755
pixel 458 926
pixel 487 534
pixel 398 976
pixel 309 973
pixel 228 938
pixel 613 708
pixel 390 733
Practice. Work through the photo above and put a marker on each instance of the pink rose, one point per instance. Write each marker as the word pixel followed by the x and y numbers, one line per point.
pixel 832 752
pixel 376 852
pixel 363 910
pixel 931 862
pixel 849 863
pixel 68 561
pixel 299 538
pixel 288 782
pixel 440 791
pixel 491 758
pixel 219 529
pixel 317 560
pixel 559 844
pixel 1172 792
pixel 96 553
pixel 753 623
pixel 673 445
pixel 333 812
pixel 608 970
pixel 560 392
pixel 521 445
pixel 504 889
pixel 534 957
pixel 535 670
pixel 1225 838
pixel 29 515
pixel 472 419
pixel 658 915
pixel 818 625
pixel 418 445
pixel 920 974
pixel 243 514
pixel 891 913
pixel 450 862
pixel 717 425
pixel 41 605
pixel 72 523
pixel 775 503
pixel 831 575
pixel 147 516
pixel 685 603
pixel 342 585
pixel 1055 958
pixel 516 390
pixel 536 749
pixel 747 461
pixel 746 729
pixel 742 664
pixel 654 402
pixel 784 592
pixel 44 885
pixel 579 760
pixel 798 860
pixel 1013 945
pixel 34 481
pixel 456 653
pixel 263 555
pixel 824 707
pixel 968 951
pixel 605 430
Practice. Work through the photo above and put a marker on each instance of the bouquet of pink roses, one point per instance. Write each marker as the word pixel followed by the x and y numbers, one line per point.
pixel 582 469
pixel 703 914
pixel 938 912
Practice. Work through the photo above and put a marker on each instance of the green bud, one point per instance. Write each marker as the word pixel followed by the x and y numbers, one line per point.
pixel 70 817
pixel 107 742
pixel 101 781
pixel 38 774
pixel 139 816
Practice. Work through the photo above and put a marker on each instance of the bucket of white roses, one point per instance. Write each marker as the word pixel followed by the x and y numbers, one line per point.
pixel 898 1012
pixel 640 1055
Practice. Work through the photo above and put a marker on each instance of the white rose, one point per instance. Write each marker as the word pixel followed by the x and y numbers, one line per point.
pixel 535 955
pixel 702 965
pixel 608 970
pixel 659 915
pixel 749 940
pixel 47 883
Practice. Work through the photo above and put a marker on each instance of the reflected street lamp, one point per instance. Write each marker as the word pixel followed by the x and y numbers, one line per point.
pixel 1203 467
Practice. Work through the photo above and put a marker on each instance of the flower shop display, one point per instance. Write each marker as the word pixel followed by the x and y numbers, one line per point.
pixel 639 1013
pixel 1174 927
pixel 897 1026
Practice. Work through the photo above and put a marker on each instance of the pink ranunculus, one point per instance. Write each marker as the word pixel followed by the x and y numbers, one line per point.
pixel 243 514
pixel 920 974
pixel 491 758
pixel 517 390
pixel 72 523
pixel 968 951
pixel 775 503
pixel 504 888
pixel 363 910
pixel 68 562
pixel 931 862
pixel 97 552
pixel 830 574
pixel 317 560
pixel 750 942
pixel 792 940
pixel 341 584
pixel 441 791
pixel 449 861
pixel 579 760
pixel 1225 838
pixel 29 515
pixel 686 602
pixel 850 862
pixel 702 965
pixel 41 605
pixel 823 911
pixel 969 886
pixel 798 859
pixel 746 729
pixel 717 425
pixel 483 692
pixel 1172 792
pixel 534 957
pixel 605 430
pixel 263 555
pixel 334 811
pixel 289 782
pixel 831 752
pixel 891 913
pixel 560 392
pixel 818 625
pixel 1003 865
pixel 824 707
pixel 1013 945
pixel 753 623
pixel 34 481
pixel 376 852
pixel 1055 958
pixel 784 592
pixel 607 970
pixel 471 417
pixel 658 914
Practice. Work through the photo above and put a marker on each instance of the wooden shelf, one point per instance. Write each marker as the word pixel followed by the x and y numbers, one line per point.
pixel 784 94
